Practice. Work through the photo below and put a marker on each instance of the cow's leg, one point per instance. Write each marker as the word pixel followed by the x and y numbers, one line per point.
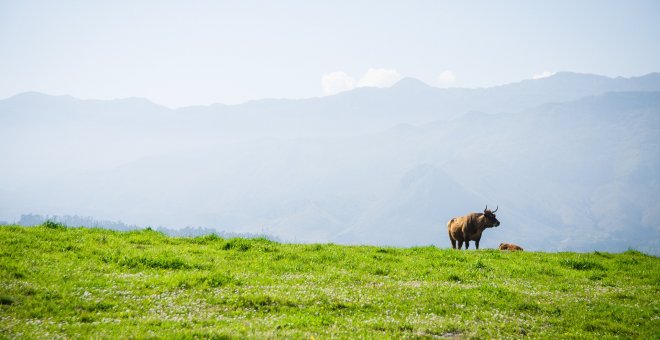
pixel 467 244
pixel 476 243
pixel 460 244
pixel 453 241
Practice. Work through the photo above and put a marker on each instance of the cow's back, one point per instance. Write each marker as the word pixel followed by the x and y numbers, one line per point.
pixel 468 226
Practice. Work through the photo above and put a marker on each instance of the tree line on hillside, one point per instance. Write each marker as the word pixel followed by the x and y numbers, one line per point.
pixel 90 222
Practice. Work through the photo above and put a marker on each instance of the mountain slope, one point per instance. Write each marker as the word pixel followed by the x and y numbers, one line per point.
pixel 584 168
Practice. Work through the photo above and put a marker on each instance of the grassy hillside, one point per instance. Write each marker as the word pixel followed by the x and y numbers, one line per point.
pixel 72 282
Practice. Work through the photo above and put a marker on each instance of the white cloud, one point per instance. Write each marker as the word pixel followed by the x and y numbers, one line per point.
pixel 543 74
pixel 446 77
pixel 339 81
pixel 336 82
pixel 379 77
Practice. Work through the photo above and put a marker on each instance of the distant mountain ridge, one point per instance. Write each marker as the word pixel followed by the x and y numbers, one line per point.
pixel 560 87
pixel 362 110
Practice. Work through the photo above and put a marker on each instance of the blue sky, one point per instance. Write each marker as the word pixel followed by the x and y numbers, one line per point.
pixel 179 53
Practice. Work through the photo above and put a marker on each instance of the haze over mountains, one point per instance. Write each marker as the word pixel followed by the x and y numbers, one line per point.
pixel 572 161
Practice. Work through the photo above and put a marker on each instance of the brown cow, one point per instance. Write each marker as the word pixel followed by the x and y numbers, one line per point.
pixel 469 227
pixel 509 246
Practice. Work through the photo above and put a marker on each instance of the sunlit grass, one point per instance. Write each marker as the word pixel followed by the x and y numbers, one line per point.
pixel 58 281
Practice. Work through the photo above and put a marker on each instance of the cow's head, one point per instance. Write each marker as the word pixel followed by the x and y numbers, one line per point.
pixel 491 218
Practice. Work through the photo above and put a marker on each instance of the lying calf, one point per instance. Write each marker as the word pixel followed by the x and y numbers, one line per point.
pixel 509 246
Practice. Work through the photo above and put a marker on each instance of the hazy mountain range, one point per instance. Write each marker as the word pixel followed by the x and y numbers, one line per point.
pixel 571 160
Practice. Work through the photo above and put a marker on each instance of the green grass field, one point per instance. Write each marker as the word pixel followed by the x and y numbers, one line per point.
pixel 77 282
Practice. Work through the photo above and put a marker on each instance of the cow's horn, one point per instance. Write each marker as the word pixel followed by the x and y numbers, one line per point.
pixel 497 207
